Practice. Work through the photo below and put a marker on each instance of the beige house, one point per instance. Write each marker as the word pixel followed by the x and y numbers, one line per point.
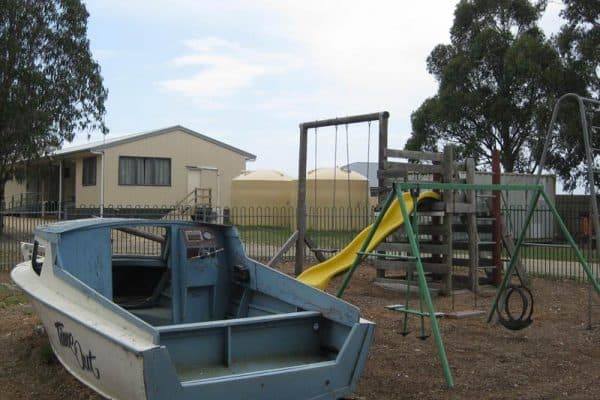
pixel 156 168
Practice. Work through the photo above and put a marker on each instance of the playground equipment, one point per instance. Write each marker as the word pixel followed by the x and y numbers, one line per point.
pixel 589 115
pixel 300 238
pixel 449 238
pixel 319 275
pixel 454 227
pixel 507 287
pixel 458 198
pixel 449 230
pixel 391 217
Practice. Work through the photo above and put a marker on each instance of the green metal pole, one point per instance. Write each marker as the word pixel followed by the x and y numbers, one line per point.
pixel 423 283
pixel 409 273
pixel 571 241
pixel 415 224
pixel 365 245
pixel 515 256
pixel 409 276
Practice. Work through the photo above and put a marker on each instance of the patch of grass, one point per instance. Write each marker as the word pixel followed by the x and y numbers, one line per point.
pixel 10 296
pixel 272 235
pixel 334 240
pixel 551 253
pixel 276 236
pixel 264 234
pixel 554 277
pixel 47 354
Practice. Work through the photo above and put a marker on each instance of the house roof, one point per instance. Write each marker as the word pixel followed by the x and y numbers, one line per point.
pixel 116 141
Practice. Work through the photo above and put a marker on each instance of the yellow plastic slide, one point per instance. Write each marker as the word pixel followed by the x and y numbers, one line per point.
pixel 319 275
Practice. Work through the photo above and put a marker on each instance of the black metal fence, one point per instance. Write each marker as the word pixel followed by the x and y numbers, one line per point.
pixel 264 230
pixel 546 251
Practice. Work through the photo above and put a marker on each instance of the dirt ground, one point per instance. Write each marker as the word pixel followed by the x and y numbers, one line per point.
pixel 556 357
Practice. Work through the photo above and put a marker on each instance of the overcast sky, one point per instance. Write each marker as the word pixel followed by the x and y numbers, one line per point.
pixel 248 72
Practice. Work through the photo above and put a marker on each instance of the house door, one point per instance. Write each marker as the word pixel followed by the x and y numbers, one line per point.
pixel 198 182
pixel 194 179
pixel 68 185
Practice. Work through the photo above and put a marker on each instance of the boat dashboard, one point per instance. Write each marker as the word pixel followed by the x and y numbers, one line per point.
pixel 176 275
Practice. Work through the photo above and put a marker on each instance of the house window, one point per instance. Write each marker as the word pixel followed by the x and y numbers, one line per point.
pixel 144 171
pixel 88 177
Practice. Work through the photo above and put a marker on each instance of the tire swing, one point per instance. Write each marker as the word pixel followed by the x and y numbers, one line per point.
pixel 506 316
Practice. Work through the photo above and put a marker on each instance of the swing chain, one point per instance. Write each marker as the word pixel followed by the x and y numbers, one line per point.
pixel 367 208
pixel 335 165
pixel 316 164
pixel 348 168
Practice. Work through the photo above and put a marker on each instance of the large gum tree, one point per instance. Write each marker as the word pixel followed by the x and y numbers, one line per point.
pixel 498 79
pixel 50 86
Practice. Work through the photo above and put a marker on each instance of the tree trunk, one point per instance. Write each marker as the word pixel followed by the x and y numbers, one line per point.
pixel 508 161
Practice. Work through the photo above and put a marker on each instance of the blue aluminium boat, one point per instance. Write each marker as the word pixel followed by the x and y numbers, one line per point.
pixel 146 309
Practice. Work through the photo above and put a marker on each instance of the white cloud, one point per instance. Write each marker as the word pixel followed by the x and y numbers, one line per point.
pixel 339 58
pixel 223 68
pixel 371 56
pixel 210 43
pixel 374 50
pixel 221 78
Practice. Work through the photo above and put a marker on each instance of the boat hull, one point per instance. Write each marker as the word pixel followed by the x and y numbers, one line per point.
pixel 215 325
pixel 119 373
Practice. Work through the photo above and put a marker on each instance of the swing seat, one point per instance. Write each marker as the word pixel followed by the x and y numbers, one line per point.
pixel 402 308
pixel 463 314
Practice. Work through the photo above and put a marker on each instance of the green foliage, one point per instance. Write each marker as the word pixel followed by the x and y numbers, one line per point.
pixel 578 43
pixel 10 296
pixel 47 354
pixel 50 87
pixel 579 40
pixel 498 80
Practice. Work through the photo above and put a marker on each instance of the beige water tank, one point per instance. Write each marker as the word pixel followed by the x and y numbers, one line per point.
pixel 263 197
pixel 346 210
pixel 350 188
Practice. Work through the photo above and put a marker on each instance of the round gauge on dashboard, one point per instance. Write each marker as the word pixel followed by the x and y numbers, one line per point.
pixel 207 235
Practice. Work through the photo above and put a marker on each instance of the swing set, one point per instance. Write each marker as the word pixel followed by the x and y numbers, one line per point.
pixel 300 237
pixel 513 282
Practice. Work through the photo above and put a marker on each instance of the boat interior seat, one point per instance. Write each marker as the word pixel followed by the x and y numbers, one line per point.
pixel 142 283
